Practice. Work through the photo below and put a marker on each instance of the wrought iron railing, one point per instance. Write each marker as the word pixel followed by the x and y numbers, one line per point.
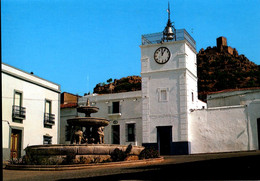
pixel 155 38
pixel 49 118
pixel 19 112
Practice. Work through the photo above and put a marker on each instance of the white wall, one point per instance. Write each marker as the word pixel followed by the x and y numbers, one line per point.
pixel 219 130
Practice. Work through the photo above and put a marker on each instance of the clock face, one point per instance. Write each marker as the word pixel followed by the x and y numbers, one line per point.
pixel 162 55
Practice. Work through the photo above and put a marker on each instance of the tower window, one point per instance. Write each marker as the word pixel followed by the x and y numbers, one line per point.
pixel 163 94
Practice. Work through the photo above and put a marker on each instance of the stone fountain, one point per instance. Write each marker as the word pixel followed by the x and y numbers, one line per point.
pixel 87 143
pixel 94 127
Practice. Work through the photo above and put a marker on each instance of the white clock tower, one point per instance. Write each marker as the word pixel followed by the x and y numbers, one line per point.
pixel 169 89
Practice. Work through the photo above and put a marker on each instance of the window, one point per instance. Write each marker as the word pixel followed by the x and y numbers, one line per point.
pixel 47 140
pixel 18 111
pixel 131 132
pixel 192 96
pixel 18 99
pixel 115 108
pixel 48 116
pixel 163 94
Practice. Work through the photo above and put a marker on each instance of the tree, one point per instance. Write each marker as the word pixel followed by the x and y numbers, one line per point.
pixel 109 80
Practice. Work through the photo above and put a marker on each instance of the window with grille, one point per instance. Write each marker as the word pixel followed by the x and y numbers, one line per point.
pixel 18 112
pixel 48 116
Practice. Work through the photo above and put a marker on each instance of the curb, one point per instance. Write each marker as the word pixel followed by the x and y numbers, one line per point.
pixel 81 166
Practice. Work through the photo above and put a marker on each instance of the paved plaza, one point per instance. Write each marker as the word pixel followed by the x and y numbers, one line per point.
pixel 235 165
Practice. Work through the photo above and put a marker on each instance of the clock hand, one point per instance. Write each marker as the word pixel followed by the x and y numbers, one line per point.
pixel 163 50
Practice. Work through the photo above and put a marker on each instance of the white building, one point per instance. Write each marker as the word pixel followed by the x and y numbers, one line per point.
pixel 167 115
pixel 30 111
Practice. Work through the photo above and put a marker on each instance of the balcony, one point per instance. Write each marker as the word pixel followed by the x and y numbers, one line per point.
pixel 19 112
pixel 181 34
pixel 49 119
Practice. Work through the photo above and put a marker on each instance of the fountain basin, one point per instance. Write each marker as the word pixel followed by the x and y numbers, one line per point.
pixel 88 121
pixel 42 154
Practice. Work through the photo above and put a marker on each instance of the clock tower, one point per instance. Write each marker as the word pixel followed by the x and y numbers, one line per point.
pixel 169 88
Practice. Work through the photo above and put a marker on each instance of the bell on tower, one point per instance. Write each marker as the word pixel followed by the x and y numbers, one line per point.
pixel 169 32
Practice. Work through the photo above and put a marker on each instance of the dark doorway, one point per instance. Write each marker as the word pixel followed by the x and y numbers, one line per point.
pixel 15 145
pixel 258 132
pixel 164 139
pixel 115 134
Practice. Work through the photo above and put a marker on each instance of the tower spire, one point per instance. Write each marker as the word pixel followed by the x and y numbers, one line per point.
pixel 169 32
pixel 169 12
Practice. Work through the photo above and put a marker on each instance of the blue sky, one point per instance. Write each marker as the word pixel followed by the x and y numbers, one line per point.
pixel 79 43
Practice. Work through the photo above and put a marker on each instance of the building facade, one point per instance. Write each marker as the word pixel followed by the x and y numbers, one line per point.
pixel 30 111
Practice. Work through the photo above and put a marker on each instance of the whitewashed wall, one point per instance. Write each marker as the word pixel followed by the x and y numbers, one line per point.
pixel 219 130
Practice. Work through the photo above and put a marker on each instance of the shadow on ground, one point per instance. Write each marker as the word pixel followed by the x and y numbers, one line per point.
pixel 246 167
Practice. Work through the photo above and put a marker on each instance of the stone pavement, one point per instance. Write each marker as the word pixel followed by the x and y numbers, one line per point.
pixel 235 165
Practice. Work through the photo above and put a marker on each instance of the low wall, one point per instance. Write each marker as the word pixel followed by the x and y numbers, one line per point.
pixel 221 129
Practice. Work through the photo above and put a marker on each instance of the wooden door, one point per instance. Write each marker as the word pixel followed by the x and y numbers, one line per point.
pixel 14 145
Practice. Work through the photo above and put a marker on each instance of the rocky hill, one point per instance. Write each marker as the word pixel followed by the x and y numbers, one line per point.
pixel 125 84
pixel 222 67
pixel 219 68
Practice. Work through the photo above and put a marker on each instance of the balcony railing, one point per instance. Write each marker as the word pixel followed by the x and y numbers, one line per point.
pixel 19 112
pixel 181 34
pixel 49 118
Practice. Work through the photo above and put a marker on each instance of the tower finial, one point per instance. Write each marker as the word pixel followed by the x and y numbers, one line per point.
pixel 169 12
pixel 169 32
